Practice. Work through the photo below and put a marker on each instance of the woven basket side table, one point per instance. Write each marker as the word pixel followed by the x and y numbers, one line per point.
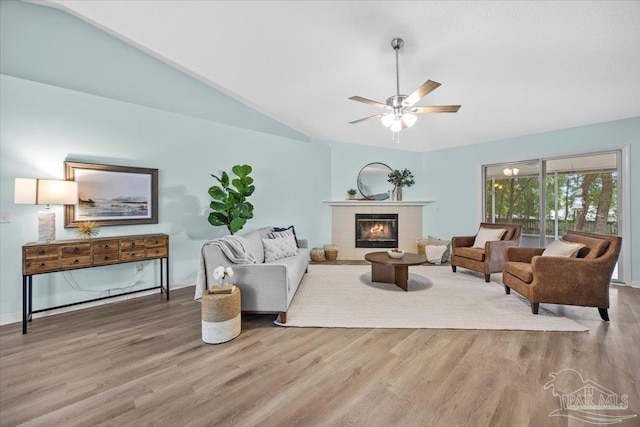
pixel 220 317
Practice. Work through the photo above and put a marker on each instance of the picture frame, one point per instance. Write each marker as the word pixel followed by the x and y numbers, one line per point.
pixel 112 195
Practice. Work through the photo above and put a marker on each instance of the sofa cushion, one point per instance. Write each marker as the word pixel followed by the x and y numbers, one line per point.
pixel 434 241
pixel 488 235
pixel 521 270
pixel 471 253
pixel 593 248
pixel 290 228
pixel 560 248
pixel 275 249
pixel 254 241
pixel 435 254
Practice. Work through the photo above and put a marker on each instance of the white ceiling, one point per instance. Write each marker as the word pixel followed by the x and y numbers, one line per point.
pixel 516 68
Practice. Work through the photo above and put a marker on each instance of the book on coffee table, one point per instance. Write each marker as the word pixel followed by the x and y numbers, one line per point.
pixel 223 290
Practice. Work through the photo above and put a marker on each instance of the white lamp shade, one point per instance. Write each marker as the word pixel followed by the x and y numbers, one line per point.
pixel 387 119
pixel 409 119
pixel 45 192
pixel 25 191
pixel 396 126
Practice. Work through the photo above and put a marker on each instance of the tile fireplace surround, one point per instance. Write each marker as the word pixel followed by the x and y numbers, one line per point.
pixel 343 224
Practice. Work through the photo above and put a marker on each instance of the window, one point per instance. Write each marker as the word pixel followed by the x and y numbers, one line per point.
pixel 579 193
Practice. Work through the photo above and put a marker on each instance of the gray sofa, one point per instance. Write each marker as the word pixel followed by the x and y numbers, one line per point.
pixel 267 287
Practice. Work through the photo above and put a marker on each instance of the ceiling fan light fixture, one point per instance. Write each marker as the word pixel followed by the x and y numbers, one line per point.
pixel 409 119
pixel 396 126
pixel 387 119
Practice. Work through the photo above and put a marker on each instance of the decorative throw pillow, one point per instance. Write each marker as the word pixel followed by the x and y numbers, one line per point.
pixel 434 241
pixel 488 235
pixel 275 249
pixel 289 228
pixel 560 248
pixel 280 234
pixel 434 253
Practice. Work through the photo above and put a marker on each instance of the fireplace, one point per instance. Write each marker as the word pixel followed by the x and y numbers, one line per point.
pixel 376 230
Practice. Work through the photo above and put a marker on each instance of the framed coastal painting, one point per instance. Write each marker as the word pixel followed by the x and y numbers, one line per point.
pixel 112 195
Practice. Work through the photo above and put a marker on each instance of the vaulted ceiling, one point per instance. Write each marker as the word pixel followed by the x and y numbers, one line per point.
pixel 516 68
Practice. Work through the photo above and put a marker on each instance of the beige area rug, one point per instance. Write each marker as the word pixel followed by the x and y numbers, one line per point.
pixel 343 296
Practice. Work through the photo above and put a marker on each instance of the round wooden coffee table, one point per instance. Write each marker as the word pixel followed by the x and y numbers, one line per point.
pixel 393 270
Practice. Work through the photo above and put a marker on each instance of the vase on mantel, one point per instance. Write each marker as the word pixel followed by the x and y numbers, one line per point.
pixel 398 192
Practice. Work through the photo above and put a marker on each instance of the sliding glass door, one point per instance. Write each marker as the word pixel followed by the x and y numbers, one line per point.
pixel 579 193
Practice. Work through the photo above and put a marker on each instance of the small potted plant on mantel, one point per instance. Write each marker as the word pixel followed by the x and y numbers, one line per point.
pixel 352 193
pixel 400 179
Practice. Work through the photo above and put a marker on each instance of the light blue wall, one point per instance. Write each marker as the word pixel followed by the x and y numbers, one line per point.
pixel 42 126
pixel 456 178
pixel 68 91
pixel 50 46
pixel 348 159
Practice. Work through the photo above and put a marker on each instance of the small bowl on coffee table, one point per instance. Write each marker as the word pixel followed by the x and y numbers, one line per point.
pixel 395 253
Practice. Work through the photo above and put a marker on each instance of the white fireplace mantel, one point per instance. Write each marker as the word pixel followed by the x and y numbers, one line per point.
pixel 376 203
pixel 343 219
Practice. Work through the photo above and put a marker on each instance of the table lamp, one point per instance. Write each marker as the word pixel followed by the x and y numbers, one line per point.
pixel 46 192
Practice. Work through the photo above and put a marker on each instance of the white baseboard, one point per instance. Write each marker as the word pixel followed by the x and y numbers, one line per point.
pixel 17 317
pixel 635 283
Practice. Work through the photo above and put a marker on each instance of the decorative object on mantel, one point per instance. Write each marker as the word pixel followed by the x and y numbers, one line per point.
pixel 400 179
pixel 87 230
pixel 317 254
pixel 352 193
pixel 45 192
pixel 331 252
pixel 230 207
pixel 221 274
pixel 372 181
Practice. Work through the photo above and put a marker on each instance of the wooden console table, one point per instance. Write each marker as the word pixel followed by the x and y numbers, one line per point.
pixel 64 255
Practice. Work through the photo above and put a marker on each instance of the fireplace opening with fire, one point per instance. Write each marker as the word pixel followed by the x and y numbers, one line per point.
pixel 376 230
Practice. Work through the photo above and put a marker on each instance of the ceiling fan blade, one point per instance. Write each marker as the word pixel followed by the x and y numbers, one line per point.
pixel 436 109
pixel 365 119
pixel 426 88
pixel 370 102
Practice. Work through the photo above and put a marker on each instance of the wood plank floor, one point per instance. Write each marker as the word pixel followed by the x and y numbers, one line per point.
pixel 142 362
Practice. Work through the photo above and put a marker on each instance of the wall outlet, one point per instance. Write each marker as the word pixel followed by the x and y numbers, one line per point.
pixel 139 268
pixel 5 217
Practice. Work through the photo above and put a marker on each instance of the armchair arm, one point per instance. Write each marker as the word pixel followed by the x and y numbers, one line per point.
pixel 494 253
pixel 583 281
pixel 462 241
pixel 519 254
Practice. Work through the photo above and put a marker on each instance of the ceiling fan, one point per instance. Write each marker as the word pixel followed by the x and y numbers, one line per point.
pixel 401 113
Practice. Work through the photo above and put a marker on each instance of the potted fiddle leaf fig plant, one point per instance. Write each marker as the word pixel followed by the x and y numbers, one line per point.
pixel 400 179
pixel 230 206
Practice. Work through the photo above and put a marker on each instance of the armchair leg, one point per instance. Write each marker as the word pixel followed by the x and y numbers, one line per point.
pixel 453 268
pixel 507 290
pixel 604 314
pixel 534 307
pixel 487 278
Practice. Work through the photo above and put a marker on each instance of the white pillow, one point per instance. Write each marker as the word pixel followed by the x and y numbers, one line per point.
pixel 560 248
pixel 275 249
pixel 434 253
pixel 488 235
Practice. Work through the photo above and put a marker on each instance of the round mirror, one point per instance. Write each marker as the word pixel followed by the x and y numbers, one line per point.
pixel 372 181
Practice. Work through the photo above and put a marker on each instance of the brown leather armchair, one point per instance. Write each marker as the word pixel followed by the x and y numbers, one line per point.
pixel 487 260
pixel 583 280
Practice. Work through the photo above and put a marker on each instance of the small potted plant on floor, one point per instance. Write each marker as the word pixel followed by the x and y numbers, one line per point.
pixel 352 193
